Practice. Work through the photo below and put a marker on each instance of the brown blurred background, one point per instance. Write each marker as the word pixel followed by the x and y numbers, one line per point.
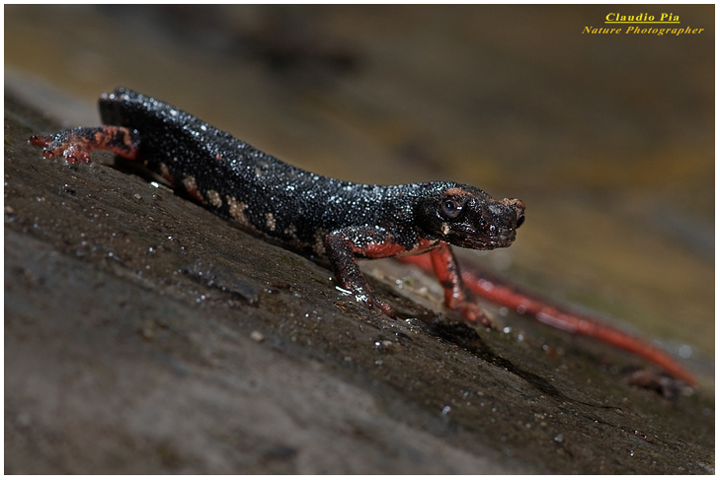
pixel 609 140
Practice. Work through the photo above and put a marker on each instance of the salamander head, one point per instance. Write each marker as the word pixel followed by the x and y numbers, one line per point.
pixel 468 217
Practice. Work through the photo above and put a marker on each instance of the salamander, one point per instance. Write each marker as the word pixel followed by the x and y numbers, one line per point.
pixel 314 215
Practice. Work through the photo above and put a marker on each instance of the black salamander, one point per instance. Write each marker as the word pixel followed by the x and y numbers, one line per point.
pixel 302 211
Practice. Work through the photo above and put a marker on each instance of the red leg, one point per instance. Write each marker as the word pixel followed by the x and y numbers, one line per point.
pixel 447 272
pixel 339 249
pixel 75 145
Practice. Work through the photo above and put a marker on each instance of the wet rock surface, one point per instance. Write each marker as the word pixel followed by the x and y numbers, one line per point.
pixel 145 335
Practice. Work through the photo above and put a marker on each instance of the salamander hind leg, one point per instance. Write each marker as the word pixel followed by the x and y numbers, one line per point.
pixel 75 145
pixel 340 251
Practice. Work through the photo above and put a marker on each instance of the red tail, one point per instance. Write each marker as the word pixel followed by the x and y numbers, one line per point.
pixel 510 297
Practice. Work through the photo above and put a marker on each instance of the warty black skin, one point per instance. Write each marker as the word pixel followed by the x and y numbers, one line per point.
pixel 303 211
pixel 312 204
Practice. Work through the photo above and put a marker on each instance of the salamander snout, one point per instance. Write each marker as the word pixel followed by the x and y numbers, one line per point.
pixel 495 221
pixel 518 206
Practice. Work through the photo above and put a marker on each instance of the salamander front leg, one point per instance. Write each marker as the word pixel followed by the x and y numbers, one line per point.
pixel 457 297
pixel 339 249
pixel 75 145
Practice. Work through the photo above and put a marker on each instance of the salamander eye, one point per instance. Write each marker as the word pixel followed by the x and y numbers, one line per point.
pixel 450 208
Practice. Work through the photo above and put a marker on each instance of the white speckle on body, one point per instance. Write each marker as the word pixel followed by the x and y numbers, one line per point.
pixel 191 186
pixel 319 246
pixel 164 170
pixel 237 211
pixel 291 230
pixel 215 198
pixel 189 183
pixel 270 221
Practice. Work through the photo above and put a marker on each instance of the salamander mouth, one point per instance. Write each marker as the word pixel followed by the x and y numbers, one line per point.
pixel 485 242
